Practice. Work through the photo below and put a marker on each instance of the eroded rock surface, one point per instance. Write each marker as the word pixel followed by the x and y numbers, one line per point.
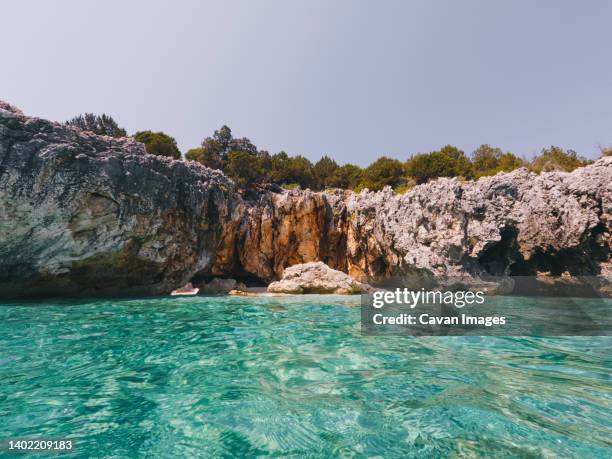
pixel 87 214
pixel 317 277
pixel 516 223
pixel 218 286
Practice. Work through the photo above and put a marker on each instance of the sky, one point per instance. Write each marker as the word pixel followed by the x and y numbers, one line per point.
pixel 350 79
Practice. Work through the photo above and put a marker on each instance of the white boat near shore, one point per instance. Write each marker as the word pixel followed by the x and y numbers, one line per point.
pixel 186 290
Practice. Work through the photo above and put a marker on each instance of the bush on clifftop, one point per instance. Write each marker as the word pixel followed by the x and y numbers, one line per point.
pixel 557 159
pixel 98 124
pixel 158 143
pixel 449 161
pixel 244 168
pixel 297 170
pixel 381 173
pixel 347 176
pixel 215 150
pixel 323 170
pixel 487 160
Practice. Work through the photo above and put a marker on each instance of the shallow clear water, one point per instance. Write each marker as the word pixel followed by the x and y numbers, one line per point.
pixel 293 376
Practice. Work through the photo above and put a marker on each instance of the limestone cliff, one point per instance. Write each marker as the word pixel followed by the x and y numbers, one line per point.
pixel 516 223
pixel 81 213
pixel 86 214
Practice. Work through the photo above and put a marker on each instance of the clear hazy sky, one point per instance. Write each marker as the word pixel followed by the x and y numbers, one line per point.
pixel 352 79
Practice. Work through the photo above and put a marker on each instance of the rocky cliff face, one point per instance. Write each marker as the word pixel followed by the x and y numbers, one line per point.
pixel 510 224
pixel 85 214
pixel 81 213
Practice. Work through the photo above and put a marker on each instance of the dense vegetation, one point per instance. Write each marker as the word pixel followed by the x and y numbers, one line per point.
pixel 250 167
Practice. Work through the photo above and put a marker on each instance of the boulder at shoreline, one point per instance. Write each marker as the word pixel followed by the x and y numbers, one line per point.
pixel 317 277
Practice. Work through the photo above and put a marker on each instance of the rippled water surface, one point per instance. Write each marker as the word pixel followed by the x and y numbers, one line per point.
pixel 244 377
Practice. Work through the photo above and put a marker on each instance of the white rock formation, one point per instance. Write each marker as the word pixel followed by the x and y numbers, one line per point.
pixel 317 277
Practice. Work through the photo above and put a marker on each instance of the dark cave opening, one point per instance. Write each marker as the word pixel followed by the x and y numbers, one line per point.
pixel 504 257
pixel 248 279
pixel 499 258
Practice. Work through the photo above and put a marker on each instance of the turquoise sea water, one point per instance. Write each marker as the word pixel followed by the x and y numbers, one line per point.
pixel 290 377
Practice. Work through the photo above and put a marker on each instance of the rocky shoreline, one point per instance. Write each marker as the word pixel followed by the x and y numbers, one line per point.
pixel 92 215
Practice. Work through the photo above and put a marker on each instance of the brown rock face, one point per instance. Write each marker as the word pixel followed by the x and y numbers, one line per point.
pixel 517 223
pixel 85 214
pixel 286 229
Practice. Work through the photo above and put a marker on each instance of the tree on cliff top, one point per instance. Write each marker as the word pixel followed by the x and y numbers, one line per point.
pixel 245 168
pixel 222 142
pixel 98 124
pixel 449 161
pixel 158 143
pixel 557 159
pixel 347 176
pixel 292 170
pixel 323 170
pixel 205 157
pixel 215 150
pixel 487 160
pixel 381 173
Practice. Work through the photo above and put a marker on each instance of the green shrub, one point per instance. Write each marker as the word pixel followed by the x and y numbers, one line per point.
pixel 323 170
pixel 204 156
pixel 509 162
pixel 449 161
pixel 405 187
pixel 487 160
pixel 287 169
pixel 215 150
pixel 98 124
pixel 382 172
pixel 244 168
pixel 158 143
pixel 194 154
pixel 557 159
pixel 347 177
